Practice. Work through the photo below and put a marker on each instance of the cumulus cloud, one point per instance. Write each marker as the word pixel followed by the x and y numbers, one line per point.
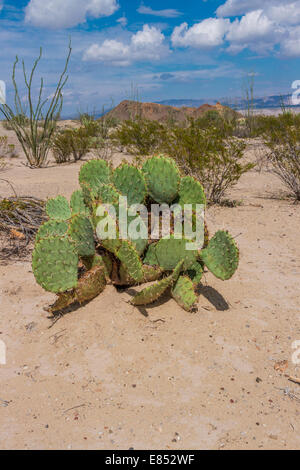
pixel 57 14
pixel 240 7
pixel 290 46
pixel 207 33
pixel 262 26
pixel 147 44
pixel 254 31
pixel 169 13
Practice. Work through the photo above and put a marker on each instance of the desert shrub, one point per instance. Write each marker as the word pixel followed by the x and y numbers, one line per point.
pixel 225 122
pixel 140 136
pixel 212 157
pixel 71 142
pixel 61 147
pixel 36 135
pixel 283 140
pixel 6 149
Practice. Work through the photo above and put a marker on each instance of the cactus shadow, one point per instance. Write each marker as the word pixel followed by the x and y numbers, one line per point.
pixel 214 297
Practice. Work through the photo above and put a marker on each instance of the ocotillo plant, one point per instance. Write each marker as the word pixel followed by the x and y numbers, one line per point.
pixel 74 257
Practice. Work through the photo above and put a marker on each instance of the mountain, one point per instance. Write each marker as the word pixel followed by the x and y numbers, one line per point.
pixel 160 112
pixel 273 101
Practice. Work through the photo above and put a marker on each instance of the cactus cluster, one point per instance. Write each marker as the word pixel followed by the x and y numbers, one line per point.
pixel 72 261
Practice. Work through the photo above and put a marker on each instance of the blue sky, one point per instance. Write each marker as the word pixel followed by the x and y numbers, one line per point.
pixel 164 49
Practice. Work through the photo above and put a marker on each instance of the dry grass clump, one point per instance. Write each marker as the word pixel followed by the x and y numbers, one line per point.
pixel 20 218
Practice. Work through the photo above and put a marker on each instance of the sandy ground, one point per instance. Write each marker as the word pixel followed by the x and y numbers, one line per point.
pixel 111 376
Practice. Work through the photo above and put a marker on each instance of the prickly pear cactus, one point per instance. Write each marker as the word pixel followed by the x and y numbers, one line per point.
pixel 75 258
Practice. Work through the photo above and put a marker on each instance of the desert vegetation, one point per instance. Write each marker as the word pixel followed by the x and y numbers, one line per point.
pixel 68 236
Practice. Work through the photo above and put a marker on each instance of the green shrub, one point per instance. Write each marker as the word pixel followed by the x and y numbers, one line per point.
pixel 212 157
pixel 140 136
pixel 71 142
pixel 282 137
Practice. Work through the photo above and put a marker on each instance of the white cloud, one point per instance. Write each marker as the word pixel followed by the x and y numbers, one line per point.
pixel 57 14
pixel 147 44
pixel 240 7
pixel 123 20
pixel 290 46
pixel 254 31
pixel 285 13
pixel 208 33
pixel 169 13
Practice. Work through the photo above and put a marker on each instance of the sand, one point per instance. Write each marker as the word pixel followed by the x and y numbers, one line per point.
pixel 111 376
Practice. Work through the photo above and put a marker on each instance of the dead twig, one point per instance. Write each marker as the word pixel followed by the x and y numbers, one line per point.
pixel 295 380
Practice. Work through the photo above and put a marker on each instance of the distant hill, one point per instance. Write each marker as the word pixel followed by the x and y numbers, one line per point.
pixel 159 112
pixel 273 101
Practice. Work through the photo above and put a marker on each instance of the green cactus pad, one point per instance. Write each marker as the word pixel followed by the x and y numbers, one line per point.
pixel 221 256
pixel 195 273
pixel 94 173
pixel 106 194
pixel 140 243
pixel 130 182
pixel 91 284
pixel 52 228
pixel 58 208
pixel 184 294
pixel 55 264
pixel 77 204
pixel 152 293
pixel 81 232
pixel 150 274
pixel 170 251
pixel 128 255
pixel 150 258
pixel 162 179
pixel 191 191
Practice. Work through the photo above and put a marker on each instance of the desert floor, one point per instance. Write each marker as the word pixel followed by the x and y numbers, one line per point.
pixel 111 376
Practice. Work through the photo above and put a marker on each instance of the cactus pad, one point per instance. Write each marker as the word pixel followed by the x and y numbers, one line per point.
pixel 55 264
pixel 195 273
pixel 152 293
pixel 184 294
pixel 81 232
pixel 129 257
pixel 170 251
pixel 91 284
pixel 162 179
pixel 130 182
pixel 52 228
pixel 150 257
pixel 77 204
pixel 58 208
pixel 221 255
pixel 94 173
pixel 191 191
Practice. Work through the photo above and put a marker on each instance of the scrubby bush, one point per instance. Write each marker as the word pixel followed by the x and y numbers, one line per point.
pixel 71 142
pixel 140 136
pixel 283 140
pixel 212 157
pixel 6 149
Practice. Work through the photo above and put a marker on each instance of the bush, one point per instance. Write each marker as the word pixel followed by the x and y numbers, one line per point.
pixel 7 150
pixel 140 136
pixel 283 140
pixel 71 142
pixel 210 156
